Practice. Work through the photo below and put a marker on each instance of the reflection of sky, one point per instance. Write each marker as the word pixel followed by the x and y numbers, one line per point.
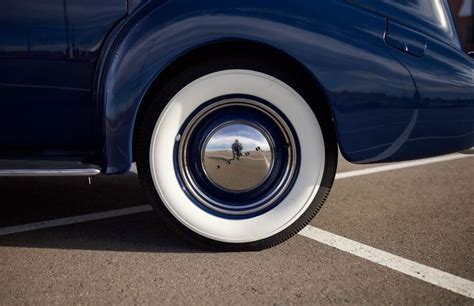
pixel 433 12
pixel 224 138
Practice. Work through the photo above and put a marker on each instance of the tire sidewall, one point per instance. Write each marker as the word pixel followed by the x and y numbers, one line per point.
pixel 156 132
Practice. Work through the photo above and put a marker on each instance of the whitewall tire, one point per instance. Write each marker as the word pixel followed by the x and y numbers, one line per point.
pixel 281 177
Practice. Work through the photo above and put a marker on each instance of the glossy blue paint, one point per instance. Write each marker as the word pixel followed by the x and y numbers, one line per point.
pixel 48 55
pixel 445 112
pixel 431 17
pixel 388 103
pixel 405 40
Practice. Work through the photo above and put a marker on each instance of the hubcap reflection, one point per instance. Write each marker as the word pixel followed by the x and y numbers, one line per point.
pixel 238 156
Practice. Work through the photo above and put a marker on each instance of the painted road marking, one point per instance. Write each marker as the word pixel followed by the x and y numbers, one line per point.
pixel 74 220
pixel 138 209
pixel 431 275
pixel 428 274
pixel 391 167
pixel 401 165
pixel 425 273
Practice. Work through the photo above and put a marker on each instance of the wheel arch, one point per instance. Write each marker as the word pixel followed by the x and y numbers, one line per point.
pixel 237 47
pixel 155 40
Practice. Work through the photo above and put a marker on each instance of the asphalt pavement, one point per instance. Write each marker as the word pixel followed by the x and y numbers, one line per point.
pixel 420 213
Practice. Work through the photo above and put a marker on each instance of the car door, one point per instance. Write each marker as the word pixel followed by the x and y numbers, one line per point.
pixel 443 73
pixel 48 55
pixel 421 35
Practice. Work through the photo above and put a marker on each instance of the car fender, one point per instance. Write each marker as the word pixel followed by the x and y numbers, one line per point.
pixel 342 62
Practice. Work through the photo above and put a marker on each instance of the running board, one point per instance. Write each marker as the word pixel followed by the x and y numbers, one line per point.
pixel 47 168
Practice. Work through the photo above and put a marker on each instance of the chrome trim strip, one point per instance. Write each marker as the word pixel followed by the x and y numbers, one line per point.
pixel 49 172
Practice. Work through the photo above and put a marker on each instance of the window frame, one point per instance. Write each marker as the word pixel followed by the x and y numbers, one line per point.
pixel 455 25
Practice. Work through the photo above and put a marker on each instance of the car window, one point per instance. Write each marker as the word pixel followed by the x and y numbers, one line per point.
pixel 462 11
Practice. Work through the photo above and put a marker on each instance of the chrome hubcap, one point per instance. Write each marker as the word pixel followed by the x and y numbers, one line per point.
pixel 238 156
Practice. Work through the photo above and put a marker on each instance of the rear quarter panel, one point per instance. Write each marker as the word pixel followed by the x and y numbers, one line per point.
pixel 371 94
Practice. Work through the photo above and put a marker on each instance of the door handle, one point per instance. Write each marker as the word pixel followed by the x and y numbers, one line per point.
pixel 405 39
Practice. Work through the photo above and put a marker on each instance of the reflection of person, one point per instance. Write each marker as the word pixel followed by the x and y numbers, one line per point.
pixel 236 149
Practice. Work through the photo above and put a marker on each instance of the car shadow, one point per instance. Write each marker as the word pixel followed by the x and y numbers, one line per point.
pixel 31 200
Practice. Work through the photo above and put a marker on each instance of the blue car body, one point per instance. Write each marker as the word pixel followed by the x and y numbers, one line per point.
pixel 74 73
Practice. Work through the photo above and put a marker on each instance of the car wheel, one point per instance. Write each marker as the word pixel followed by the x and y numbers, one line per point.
pixel 233 156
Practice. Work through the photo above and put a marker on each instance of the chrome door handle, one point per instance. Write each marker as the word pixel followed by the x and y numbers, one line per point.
pixel 405 39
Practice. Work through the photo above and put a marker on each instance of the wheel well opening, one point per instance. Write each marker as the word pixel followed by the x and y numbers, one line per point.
pixel 303 78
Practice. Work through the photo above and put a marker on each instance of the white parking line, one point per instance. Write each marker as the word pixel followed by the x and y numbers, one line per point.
pixel 74 220
pixel 401 165
pixel 425 273
pixel 431 275
pixel 384 168
pixel 138 209
pixel 428 274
